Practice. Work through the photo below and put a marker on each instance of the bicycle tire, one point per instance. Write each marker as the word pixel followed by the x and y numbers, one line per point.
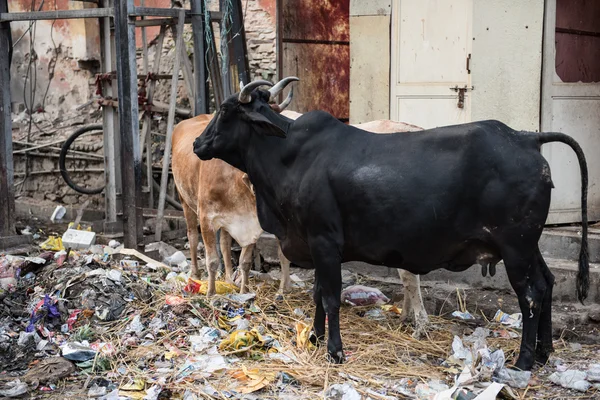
pixel 64 173
pixel 63 157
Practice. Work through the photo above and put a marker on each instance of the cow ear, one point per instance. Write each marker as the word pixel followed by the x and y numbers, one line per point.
pixel 272 126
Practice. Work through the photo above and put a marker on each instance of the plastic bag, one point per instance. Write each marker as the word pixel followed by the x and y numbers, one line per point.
pixel 358 295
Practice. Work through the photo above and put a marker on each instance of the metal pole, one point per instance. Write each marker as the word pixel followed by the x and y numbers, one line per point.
pixel 170 124
pixel 147 120
pixel 7 194
pixel 108 123
pixel 225 35
pixel 129 124
pixel 188 78
pixel 201 85
pixel 240 52
pixel 146 135
pixel 215 72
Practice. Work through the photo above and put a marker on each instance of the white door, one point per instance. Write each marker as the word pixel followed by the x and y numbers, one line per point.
pixel 431 44
pixel 571 103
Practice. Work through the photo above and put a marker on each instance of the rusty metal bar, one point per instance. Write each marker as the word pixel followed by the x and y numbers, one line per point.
pixel 311 41
pixel 214 16
pixel 152 77
pixel 155 12
pixel 157 107
pixel 131 162
pixel 146 135
pixel 7 194
pixel 200 82
pixel 56 14
pixel 170 124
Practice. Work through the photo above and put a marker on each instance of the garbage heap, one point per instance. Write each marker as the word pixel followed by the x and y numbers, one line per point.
pixel 107 322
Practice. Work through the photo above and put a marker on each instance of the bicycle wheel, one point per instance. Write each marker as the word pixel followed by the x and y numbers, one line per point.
pixel 92 148
pixel 94 145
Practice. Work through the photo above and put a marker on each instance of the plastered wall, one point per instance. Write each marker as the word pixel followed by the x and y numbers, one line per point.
pixel 369 60
pixel 506 63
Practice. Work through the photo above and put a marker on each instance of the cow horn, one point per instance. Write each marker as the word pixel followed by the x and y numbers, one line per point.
pixel 244 96
pixel 287 100
pixel 279 86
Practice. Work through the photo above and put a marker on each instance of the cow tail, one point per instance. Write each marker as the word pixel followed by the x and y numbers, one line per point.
pixel 583 276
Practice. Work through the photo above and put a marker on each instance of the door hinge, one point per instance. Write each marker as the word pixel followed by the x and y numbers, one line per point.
pixel 469 63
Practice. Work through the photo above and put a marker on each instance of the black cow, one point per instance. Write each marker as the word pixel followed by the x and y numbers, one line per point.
pixel 448 198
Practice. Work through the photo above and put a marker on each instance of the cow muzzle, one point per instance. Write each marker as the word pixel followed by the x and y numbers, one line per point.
pixel 202 149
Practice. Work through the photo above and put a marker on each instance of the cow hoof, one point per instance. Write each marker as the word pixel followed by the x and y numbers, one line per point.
pixel 420 332
pixel 542 355
pixel 524 363
pixel 336 357
pixel 317 340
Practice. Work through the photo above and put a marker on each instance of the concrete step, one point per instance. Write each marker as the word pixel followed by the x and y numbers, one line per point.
pixel 565 242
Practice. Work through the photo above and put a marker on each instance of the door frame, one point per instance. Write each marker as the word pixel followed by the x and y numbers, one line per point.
pixel 552 90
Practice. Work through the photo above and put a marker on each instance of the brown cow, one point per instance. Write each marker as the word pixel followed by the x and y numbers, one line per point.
pixel 215 195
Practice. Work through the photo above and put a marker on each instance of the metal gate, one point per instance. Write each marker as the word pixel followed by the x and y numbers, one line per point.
pixel 314 45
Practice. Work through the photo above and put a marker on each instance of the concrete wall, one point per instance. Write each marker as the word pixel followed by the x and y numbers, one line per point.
pixel 506 63
pixel 369 60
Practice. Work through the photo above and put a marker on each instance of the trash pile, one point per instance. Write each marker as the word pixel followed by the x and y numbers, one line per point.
pixel 106 322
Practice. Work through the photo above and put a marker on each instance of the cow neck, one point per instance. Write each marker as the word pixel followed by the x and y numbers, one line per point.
pixel 264 165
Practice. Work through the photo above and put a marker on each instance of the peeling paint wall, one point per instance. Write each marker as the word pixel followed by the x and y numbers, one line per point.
pixel 72 44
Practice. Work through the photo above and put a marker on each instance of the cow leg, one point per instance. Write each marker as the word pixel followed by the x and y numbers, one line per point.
pixel 413 302
pixel 328 268
pixel 212 256
pixel 528 282
pixel 544 336
pixel 284 284
pixel 319 322
pixel 245 266
pixel 191 221
pixel 226 252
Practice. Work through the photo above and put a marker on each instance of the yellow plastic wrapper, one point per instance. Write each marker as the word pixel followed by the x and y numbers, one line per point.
pixel 134 390
pixel 201 287
pixel 53 243
pixel 226 323
pixel 136 385
pixel 78 228
pixel 241 339
pixel 303 335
